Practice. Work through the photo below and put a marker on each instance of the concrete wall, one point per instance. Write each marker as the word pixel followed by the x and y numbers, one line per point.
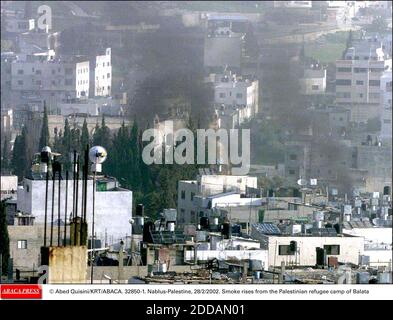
pixel 67 264
pixel 29 259
pixel 350 249
pixel 113 208
pixel 128 272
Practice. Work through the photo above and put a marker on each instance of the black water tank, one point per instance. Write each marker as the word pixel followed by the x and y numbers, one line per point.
pixel 321 256
pixel 139 210
pixel 271 193
pixel 148 227
pixel 45 156
pixel 236 229
pixel 386 190
pixel 293 246
pixel 226 230
pixel 204 222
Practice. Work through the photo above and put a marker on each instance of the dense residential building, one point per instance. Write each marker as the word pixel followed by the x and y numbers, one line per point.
pixel 103 74
pixel 386 105
pixel 35 79
pixel 358 79
pixel 204 186
pixel 313 81
pixel 236 99
pixel 84 80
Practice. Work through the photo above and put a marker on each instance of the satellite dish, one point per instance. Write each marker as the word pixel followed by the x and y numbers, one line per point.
pixel 97 154
pixel 46 149
pixel 302 182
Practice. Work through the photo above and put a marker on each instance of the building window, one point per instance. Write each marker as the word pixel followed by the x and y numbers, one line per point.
pixel 376 70
pixel 342 69
pixel 38 82
pixel 107 63
pixel 291 171
pixel 285 250
pixel 193 217
pixel 314 87
pixel 359 82
pixel 343 82
pixel 374 83
pixel 239 95
pixel 38 72
pixel 68 82
pixel 293 157
pixel 222 95
pixel 332 249
pixel 360 95
pixel 20 82
pixel 360 70
pixel 192 196
pixel 346 95
pixel 22 244
pixel 373 95
pixel 53 71
pixel 108 75
pixel 183 194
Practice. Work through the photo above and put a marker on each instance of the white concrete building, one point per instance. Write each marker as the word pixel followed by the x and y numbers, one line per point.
pixel 234 249
pixel 313 81
pixel 36 78
pixel 347 249
pixel 234 97
pixel 103 74
pixel 82 81
pixel 113 207
pixel 358 79
pixel 205 186
pixel 386 106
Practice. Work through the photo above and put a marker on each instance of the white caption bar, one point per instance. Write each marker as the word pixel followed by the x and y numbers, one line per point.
pixel 217 292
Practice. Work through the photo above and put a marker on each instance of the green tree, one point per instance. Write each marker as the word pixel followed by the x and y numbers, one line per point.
pixel 85 139
pixel 102 135
pixel 19 162
pixel 66 146
pixel 4 238
pixel 44 137
pixel 6 154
